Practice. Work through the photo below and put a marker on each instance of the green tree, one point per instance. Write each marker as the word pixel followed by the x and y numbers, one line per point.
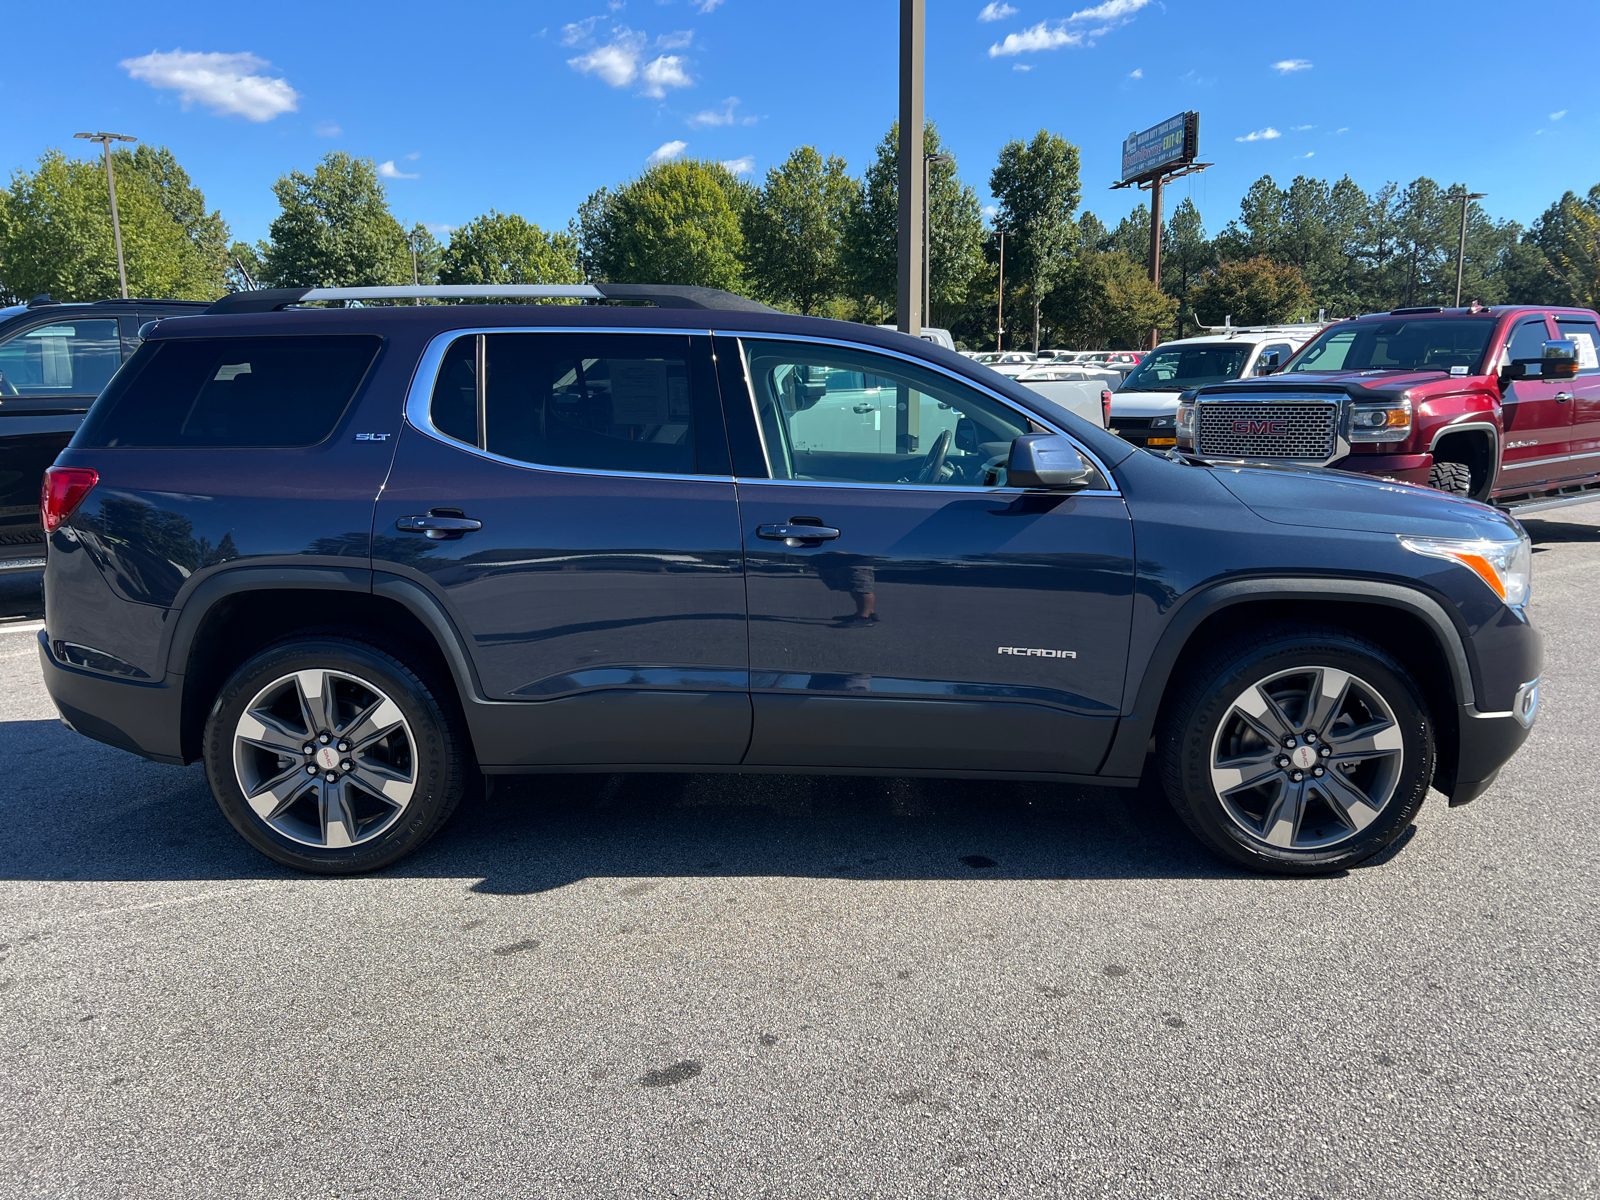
pixel 679 222
pixel 1131 237
pixel 1568 237
pixel 794 228
pixel 1107 300
pixel 56 236
pixel 1037 189
pixel 1257 291
pixel 1185 253
pixel 504 248
pixel 871 242
pixel 335 229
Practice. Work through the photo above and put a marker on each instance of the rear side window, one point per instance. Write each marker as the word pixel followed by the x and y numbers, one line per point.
pixel 67 358
pixel 230 392
pixel 1583 331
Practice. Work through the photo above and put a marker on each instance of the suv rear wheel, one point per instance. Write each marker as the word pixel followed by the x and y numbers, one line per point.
pixel 332 756
pixel 1300 752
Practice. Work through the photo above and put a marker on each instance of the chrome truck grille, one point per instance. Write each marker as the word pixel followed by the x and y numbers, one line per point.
pixel 1304 431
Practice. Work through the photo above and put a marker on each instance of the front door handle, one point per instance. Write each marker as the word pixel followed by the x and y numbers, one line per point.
pixel 438 528
pixel 1563 397
pixel 796 535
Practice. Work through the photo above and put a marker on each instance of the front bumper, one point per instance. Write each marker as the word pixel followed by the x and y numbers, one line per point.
pixel 1407 468
pixel 142 718
pixel 1138 431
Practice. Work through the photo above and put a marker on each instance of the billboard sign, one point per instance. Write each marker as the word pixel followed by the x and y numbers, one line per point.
pixel 1173 142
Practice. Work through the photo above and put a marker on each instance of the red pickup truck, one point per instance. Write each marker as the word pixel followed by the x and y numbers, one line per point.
pixel 1497 404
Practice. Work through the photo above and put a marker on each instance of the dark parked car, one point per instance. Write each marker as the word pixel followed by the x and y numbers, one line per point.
pixel 54 359
pixel 350 559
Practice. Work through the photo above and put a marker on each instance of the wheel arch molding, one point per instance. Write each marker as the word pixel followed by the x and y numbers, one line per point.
pixel 1360 605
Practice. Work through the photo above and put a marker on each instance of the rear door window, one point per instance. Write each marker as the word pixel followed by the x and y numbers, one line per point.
pixel 63 358
pixel 1583 331
pixel 231 392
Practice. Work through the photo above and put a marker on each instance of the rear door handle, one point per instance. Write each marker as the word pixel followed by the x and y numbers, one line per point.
pixel 796 535
pixel 1563 397
pixel 438 528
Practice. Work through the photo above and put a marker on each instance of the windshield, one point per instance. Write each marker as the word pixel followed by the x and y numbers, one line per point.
pixel 1178 368
pixel 1399 345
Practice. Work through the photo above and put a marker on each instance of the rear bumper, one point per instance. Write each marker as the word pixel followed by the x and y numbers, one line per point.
pixel 142 718
pixel 1408 468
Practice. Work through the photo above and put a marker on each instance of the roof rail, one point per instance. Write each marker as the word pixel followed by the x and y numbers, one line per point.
pixel 660 295
pixel 1406 312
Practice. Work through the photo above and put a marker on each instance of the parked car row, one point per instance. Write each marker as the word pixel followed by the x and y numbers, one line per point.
pixel 355 559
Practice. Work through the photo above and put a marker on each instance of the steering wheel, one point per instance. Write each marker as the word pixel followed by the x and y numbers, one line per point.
pixel 933 461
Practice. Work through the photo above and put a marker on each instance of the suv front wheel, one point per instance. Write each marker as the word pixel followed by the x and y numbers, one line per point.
pixel 1300 752
pixel 332 756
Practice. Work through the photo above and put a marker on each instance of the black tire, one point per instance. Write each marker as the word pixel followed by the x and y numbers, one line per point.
pixel 1452 477
pixel 426 759
pixel 1205 730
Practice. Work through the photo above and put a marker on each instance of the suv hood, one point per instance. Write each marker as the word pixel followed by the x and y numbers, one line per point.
pixel 1144 404
pixel 1322 499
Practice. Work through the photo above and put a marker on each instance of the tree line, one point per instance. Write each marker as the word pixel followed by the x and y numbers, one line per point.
pixel 813 238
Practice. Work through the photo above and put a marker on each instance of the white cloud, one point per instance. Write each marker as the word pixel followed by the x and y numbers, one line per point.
pixel 678 40
pixel 1307 154
pixel 996 11
pixel 414 155
pixel 1111 10
pixel 1300 128
pixel 224 83
pixel 1342 129
pixel 744 165
pixel 1039 37
pixel 438 227
pixel 578 31
pixel 665 151
pixel 718 116
pixel 1260 135
pixel 389 171
pixel 1136 73
pixel 705 6
pixel 662 74
pixel 1290 65
pixel 1021 67
pixel 991 211
pixel 1556 116
pixel 326 129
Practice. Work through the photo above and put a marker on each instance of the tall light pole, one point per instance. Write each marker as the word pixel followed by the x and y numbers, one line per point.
pixel 1000 302
pixel 928 161
pixel 913 23
pixel 105 140
pixel 416 279
pixel 1461 247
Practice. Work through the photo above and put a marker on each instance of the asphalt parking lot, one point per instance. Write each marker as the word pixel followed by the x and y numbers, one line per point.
pixel 764 986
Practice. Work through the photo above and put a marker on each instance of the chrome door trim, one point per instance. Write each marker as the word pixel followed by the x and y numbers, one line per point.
pixel 863 348
pixel 419 397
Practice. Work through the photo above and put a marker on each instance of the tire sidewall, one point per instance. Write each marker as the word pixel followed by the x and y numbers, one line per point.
pixel 439 781
pixel 1204 808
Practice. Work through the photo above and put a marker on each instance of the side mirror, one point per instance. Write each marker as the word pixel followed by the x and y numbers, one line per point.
pixel 1560 359
pixel 1267 363
pixel 1047 460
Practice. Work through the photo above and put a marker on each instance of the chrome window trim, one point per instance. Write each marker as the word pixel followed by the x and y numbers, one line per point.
pixel 1100 466
pixel 419 398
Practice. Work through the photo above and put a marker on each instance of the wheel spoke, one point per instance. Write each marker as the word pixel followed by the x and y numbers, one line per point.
pixel 1282 822
pixel 383 782
pixel 377 722
pixel 1324 704
pixel 338 822
pixel 1238 774
pixel 276 794
pixel 1262 711
pixel 1349 801
pixel 267 731
pixel 315 690
pixel 1366 741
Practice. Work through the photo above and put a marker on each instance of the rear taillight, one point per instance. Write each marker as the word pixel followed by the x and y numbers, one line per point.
pixel 64 489
pixel 1105 406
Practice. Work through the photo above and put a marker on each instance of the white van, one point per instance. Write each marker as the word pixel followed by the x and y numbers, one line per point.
pixel 1144 410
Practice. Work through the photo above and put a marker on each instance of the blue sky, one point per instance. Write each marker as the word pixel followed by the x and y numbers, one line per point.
pixel 529 107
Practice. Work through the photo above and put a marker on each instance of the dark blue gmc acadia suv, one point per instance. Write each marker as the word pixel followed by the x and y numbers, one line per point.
pixel 351 558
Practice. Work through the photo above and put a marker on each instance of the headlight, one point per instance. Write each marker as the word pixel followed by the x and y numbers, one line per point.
pixel 1186 418
pixel 1507 567
pixel 1381 422
pixel 1162 422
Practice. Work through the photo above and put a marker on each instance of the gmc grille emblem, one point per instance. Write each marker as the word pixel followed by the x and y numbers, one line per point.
pixel 1268 427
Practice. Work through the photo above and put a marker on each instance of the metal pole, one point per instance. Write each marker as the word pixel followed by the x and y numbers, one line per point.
pixel 927 241
pixel 1000 302
pixel 1461 248
pixel 1155 247
pixel 912 27
pixel 105 140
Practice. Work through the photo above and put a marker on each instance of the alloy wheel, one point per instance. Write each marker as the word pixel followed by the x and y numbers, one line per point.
pixel 1307 758
pixel 325 759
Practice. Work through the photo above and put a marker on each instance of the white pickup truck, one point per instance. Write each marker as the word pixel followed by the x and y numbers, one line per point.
pixel 1144 410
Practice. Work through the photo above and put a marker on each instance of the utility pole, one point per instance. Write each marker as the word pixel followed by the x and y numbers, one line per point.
pixel 1461 247
pixel 416 279
pixel 1155 246
pixel 105 140
pixel 1000 302
pixel 913 24
pixel 927 231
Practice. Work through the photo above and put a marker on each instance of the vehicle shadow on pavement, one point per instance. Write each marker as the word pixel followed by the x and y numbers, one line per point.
pixel 77 810
pixel 1543 532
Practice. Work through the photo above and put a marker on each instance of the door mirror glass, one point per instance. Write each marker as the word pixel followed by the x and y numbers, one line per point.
pixel 1047 460
pixel 1560 359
